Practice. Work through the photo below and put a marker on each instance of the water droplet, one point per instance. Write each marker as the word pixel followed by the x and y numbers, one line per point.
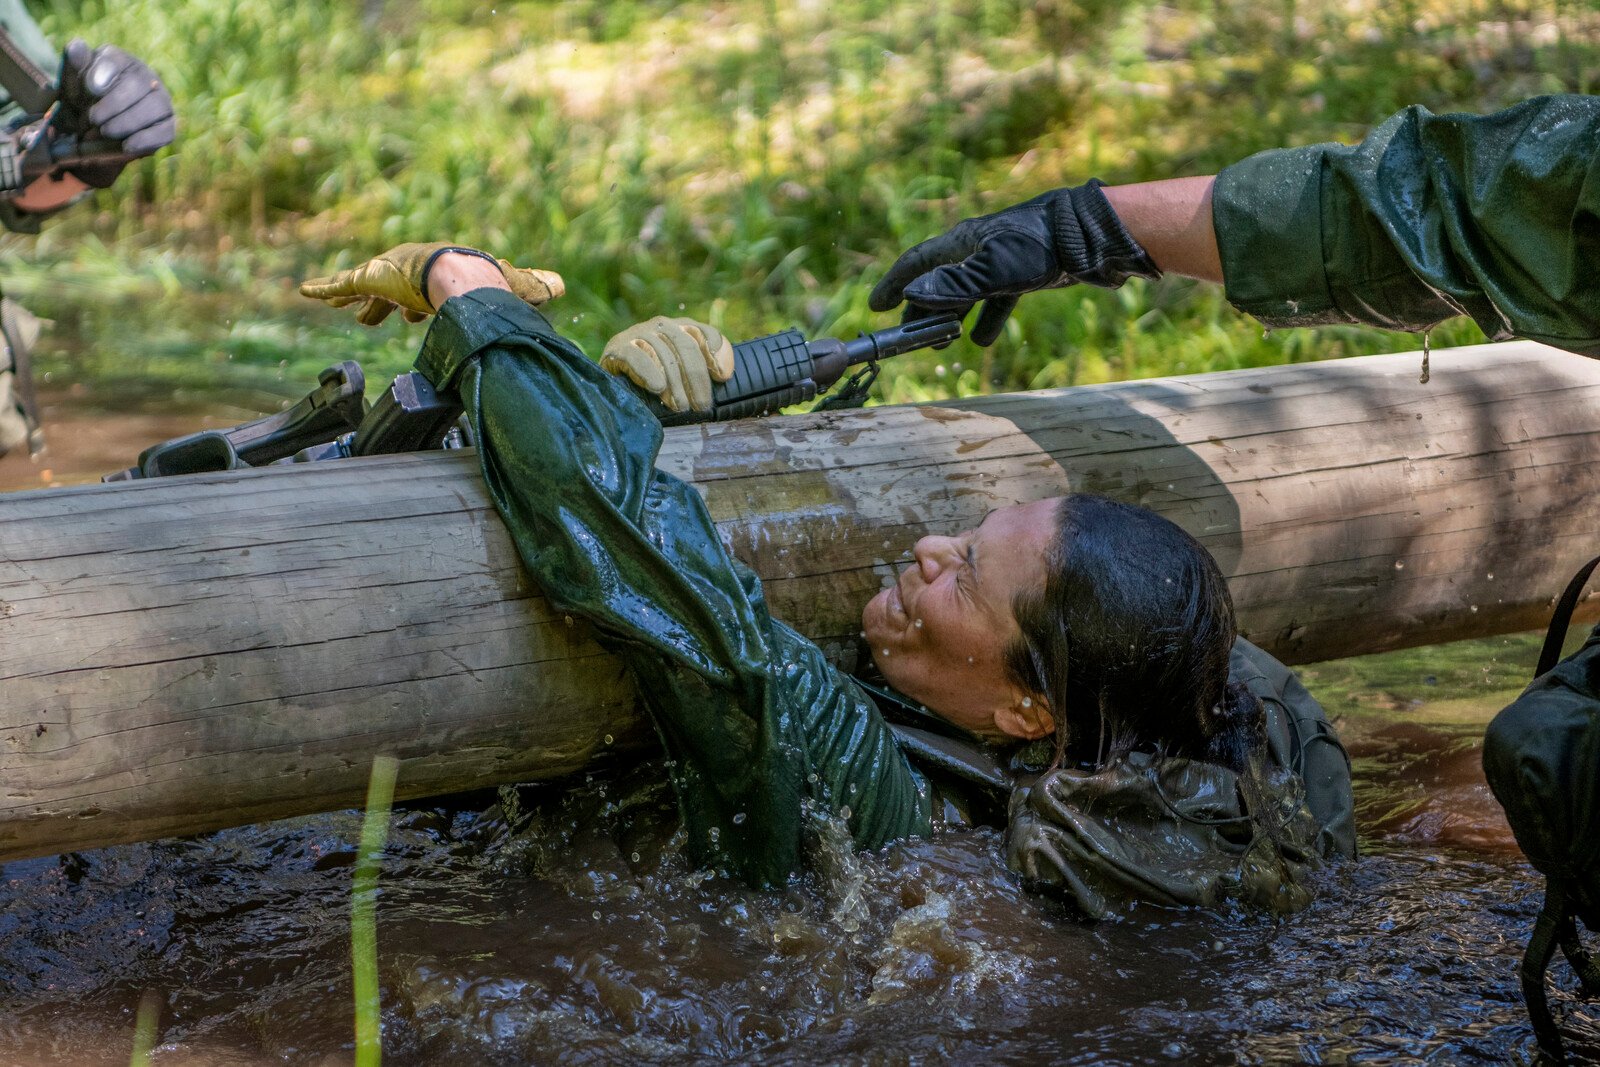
pixel 844 813
pixel 609 739
pixel 635 857
pixel 597 916
pixel 918 624
pixel 1027 702
pixel 862 635
pixel 1474 608
pixel 885 651
pixel 969 661
pixel 1490 576
pixel 738 818
pixel 1399 565
pixel 812 777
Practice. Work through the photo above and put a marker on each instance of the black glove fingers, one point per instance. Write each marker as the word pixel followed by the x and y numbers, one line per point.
pixel 992 320
pixel 949 247
pixel 135 99
pixel 152 138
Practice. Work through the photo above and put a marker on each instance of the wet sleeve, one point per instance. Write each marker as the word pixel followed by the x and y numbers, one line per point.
pixel 568 455
pixel 1431 216
pixel 1301 739
pixel 857 769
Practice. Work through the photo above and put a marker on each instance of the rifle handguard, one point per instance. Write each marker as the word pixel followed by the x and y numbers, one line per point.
pixel 769 373
pixel 784 368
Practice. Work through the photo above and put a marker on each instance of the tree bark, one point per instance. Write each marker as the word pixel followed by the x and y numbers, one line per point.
pixel 186 654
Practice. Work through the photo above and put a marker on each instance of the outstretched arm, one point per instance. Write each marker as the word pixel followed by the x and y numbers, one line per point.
pixel 1430 217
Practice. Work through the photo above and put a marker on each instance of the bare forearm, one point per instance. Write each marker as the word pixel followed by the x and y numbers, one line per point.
pixel 1172 220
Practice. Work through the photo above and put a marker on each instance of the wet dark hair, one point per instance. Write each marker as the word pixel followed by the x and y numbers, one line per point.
pixel 1129 639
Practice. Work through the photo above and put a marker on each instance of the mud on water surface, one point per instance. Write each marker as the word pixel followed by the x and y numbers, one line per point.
pixel 560 923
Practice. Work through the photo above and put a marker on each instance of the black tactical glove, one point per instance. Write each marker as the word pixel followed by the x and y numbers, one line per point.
pixel 106 94
pixel 1058 239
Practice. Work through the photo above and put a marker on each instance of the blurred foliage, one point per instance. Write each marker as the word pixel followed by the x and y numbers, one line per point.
pixel 754 162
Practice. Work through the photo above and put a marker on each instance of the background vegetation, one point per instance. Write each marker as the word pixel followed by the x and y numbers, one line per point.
pixel 754 162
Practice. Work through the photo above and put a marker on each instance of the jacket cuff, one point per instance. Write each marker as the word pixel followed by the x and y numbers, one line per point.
pixel 1267 211
pixel 465 325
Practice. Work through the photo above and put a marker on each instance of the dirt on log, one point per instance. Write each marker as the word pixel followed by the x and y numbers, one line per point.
pixel 187 654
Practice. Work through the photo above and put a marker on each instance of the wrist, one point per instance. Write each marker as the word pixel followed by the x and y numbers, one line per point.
pixel 1093 245
pixel 1172 220
pixel 451 272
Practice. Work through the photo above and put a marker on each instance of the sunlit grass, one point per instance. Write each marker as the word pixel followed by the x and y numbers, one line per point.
pixel 363 912
pixel 756 163
pixel 144 1029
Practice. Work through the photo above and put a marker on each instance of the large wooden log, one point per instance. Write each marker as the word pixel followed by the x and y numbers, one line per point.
pixel 187 654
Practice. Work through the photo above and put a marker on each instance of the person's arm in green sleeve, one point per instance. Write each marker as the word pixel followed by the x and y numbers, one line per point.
pixel 1431 216
pixel 568 454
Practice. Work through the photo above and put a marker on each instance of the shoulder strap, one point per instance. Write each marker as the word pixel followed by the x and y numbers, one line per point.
pixel 15 333
pixel 1547 930
pixel 1556 635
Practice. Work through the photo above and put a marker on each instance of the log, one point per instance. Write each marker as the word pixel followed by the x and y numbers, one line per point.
pixel 187 654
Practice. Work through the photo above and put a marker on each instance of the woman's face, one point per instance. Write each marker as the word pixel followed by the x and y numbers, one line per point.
pixel 939 634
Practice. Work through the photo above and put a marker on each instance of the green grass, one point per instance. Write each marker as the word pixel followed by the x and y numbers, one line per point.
pixel 756 163
pixel 363 912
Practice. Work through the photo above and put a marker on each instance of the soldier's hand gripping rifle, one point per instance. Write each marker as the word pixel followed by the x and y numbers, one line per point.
pixel 335 422
pixel 106 109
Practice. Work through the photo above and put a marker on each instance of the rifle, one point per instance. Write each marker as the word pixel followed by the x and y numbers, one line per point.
pixel 334 421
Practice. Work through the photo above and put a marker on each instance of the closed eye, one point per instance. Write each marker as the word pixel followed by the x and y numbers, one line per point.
pixel 967 577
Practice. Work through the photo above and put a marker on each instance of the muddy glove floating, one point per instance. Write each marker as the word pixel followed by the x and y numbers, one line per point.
pixel 1058 239
pixel 399 279
pixel 108 95
pixel 673 359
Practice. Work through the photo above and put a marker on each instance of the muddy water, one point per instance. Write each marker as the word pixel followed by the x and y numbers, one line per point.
pixel 562 925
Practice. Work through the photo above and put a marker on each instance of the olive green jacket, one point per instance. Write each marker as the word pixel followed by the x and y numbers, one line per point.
pixel 1431 216
pixel 754 720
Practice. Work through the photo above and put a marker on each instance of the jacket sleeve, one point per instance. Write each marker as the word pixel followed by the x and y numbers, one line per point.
pixel 568 453
pixel 1431 216
pixel 1300 738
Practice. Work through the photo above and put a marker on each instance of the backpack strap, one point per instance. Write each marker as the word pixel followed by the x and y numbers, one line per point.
pixel 1583 964
pixel 1554 920
pixel 1556 635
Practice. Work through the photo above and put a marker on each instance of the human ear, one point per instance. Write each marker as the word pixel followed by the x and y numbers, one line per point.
pixel 1027 718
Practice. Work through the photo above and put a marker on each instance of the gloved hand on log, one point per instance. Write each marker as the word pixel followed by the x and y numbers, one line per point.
pixel 399 279
pixel 1060 238
pixel 108 95
pixel 673 359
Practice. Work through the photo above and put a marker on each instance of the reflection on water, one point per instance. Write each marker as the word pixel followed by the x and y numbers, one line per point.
pixel 574 931
pixel 561 924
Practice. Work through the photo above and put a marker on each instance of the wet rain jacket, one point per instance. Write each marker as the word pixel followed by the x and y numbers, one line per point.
pixel 1431 216
pixel 754 719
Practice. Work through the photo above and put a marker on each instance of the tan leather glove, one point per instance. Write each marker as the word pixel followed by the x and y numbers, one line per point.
pixel 399 278
pixel 673 359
